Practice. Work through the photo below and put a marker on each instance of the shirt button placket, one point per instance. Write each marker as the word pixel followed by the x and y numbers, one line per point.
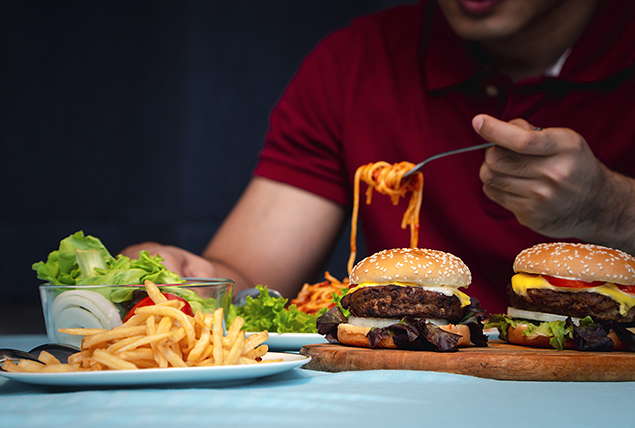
pixel 491 91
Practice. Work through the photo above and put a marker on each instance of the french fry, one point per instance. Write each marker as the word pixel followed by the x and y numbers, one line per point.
pixel 277 360
pixel 48 358
pixel 206 354
pixel 82 331
pixel 247 360
pixel 217 337
pixel 151 328
pixel 257 352
pixel 236 350
pixel 116 346
pixel 164 325
pixel 30 366
pixel 154 293
pixel 232 331
pixel 136 355
pixel 144 340
pixel 255 339
pixel 108 335
pixel 112 361
pixel 177 315
pixel 10 366
pixel 205 362
pixel 59 368
pixel 78 357
pixel 203 341
pixel 172 357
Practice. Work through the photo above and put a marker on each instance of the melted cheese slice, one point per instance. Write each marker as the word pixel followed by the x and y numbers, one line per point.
pixel 523 281
pixel 446 291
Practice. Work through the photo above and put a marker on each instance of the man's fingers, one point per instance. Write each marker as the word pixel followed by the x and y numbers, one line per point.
pixel 517 135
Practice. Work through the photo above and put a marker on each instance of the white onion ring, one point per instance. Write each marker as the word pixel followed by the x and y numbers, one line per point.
pixel 537 316
pixel 385 322
pixel 82 309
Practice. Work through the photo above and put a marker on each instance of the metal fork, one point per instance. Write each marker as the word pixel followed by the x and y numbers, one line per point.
pixel 440 155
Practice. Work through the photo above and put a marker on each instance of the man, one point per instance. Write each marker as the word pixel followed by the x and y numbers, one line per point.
pixel 550 82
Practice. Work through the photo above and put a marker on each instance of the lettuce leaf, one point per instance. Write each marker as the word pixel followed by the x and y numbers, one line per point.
pixel 270 313
pixel 557 331
pixel 84 260
pixel 328 321
pixel 416 335
pixel 588 335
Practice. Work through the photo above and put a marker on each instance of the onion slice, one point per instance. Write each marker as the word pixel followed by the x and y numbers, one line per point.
pixel 82 309
pixel 385 322
pixel 537 316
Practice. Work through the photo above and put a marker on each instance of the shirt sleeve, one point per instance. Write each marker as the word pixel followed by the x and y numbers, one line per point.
pixel 303 144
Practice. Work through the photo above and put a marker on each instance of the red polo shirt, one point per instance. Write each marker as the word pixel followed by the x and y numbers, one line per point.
pixel 399 85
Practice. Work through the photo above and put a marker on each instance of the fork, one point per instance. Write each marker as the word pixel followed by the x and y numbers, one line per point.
pixel 440 155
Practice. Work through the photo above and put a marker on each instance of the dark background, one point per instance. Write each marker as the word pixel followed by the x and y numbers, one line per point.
pixel 137 120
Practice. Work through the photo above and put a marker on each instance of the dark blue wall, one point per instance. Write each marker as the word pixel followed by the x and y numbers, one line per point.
pixel 138 120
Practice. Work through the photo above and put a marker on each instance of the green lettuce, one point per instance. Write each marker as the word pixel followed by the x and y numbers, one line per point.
pixel 557 331
pixel 270 313
pixel 84 260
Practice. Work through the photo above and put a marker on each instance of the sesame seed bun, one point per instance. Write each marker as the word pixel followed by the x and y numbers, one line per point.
pixel 586 262
pixel 413 266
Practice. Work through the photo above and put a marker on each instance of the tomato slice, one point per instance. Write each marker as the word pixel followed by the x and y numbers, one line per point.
pixel 571 283
pixel 186 309
pixel 627 288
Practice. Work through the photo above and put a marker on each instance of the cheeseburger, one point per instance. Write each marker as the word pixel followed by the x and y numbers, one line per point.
pixel 407 298
pixel 567 295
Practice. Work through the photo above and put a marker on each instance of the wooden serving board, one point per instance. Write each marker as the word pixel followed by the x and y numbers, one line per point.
pixel 499 360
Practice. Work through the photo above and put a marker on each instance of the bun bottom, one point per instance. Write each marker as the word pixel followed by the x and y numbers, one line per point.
pixel 515 335
pixel 353 335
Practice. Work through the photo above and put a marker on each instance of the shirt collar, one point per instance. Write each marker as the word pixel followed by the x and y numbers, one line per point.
pixel 554 70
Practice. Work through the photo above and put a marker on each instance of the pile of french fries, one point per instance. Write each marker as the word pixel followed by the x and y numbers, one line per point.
pixel 157 336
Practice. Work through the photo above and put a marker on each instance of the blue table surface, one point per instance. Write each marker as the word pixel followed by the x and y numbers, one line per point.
pixel 299 397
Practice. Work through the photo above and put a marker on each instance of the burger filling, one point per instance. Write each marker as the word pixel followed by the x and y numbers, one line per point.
pixel 395 301
pixel 601 301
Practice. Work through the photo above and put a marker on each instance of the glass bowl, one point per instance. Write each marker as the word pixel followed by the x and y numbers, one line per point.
pixel 106 306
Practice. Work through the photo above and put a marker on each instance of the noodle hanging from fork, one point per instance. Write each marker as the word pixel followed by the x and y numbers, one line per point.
pixel 386 178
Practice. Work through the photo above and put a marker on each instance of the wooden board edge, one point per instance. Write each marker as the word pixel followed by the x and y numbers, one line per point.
pixel 514 363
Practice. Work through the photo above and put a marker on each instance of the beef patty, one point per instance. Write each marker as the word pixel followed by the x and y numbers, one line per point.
pixel 395 301
pixel 573 304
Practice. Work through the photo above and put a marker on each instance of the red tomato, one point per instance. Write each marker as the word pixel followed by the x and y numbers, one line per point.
pixel 571 283
pixel 627 288
pixel 187 309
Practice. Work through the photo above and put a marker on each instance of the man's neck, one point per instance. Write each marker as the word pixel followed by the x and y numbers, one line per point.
pixel 532 52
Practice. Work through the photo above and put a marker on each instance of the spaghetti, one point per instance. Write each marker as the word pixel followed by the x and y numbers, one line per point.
pixel 387 179
pixel 313 297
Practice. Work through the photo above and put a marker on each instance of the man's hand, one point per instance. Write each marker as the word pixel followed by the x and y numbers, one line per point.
pixel 553 183
pixel 178 260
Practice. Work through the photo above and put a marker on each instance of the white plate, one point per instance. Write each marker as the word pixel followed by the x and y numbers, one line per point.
pixel 292 341
pixel 179 377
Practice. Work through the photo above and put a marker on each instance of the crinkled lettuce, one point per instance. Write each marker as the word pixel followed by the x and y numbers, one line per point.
pixel 557 331
pixel 588 335
pixel 84 260
pixel 270 313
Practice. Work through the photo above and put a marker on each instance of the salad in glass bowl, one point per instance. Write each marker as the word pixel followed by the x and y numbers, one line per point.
pixel 86 287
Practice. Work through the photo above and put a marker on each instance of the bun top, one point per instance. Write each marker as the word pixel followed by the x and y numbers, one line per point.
pixel 413 266
pixel 586 262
